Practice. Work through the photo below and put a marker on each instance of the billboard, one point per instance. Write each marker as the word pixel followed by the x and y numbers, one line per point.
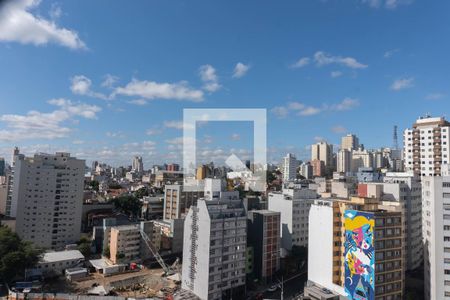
pixel 359 255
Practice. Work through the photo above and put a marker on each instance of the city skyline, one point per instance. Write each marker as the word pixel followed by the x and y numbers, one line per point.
pixel 110 90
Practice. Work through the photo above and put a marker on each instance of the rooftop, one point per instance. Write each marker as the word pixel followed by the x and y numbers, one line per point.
pixel 50 257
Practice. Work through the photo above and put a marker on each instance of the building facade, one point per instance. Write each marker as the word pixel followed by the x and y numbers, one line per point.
pixel 290 165
pixel 47 199
pixel 214 249
pixel 263 235
pixel 426 146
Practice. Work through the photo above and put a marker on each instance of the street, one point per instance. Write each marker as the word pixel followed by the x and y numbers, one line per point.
pixel 292 286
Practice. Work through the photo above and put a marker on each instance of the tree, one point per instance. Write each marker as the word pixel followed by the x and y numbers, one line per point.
pixel 15 255
pixel 94 185
pixel 141 193
pixel 128 204
pixel 84 247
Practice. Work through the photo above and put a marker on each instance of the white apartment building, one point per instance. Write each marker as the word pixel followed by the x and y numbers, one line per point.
pixel 344 161
pixel 426 146
pixel 137 165
pixel 47 199
pixel 361 158
pixel 406 189
pixel 294 205
pixel 436 235
pixel 214 247
pixel 290 164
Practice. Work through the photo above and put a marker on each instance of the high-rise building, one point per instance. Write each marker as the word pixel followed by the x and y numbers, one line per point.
pixel 264 237
pixel 47 199
pixel 290 164
pixel 356 248
pixel 2 166
pixel 306 170
pixel 436 235
pixel 173 167
pixel 293 205
pixel 178 198
pixel 426 147
pixel 137 165
pixel 318 168
pixel 324 152
pixel 361 158
pixel 214 249
pixel 349 142
pixel 405 188
pixel 344 161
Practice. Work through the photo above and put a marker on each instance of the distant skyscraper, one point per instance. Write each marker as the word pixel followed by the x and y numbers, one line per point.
pixel 2 166
pixel 349 142
pixel 427 146
pixel 47 199
pixel 137 165
pixel 173 167
pixel 290 164
pixel 344 160
pixel 324 152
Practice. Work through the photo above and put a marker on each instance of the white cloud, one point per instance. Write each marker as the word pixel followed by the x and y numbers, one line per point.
pixel 19 24
pixel 280 111
pixel 335 74
pixel 117 134
pixel 209 77
pixel 302 62
pixel 55 11
pixel 296 105
pixel 435 96
pixel 81 85
pixel 154 131
pixel 173 124
pixel 153 90
pixel 78 142
pixel 109 81
pixel 402 83
pixel 310 111
pixel 346 104
pixel 240 70
pixel 322 59
pixel 390 53
pixel 339 129
pixel 389 4
pixel 140 102
pixel 304 110
pixel 38 125
pixel 235 137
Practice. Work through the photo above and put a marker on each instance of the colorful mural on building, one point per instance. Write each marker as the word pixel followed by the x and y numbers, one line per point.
pixel 359 255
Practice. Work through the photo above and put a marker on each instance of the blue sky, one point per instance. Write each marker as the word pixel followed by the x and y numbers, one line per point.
pixel 109 79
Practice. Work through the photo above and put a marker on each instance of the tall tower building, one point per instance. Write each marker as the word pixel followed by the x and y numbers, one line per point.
pixel 214 259
pixel 324 152
pixel 137 164
pixel 2 166
pixel 290 164
pixel 349 142
pixel 47 199
pixel 427 146
pixel 436 235
pixel 344 161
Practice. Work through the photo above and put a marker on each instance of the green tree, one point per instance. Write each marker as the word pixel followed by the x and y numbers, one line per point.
pixel 141 193
pixel 94 185
pixel 128 204
pixel 85 248
pixel 15 255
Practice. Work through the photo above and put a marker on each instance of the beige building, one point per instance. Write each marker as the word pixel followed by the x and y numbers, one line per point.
pixel 322 151
pixel 349 142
